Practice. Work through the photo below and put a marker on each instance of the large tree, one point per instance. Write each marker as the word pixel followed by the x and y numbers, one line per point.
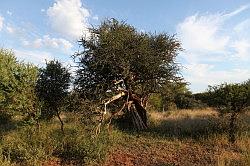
pixel 141 62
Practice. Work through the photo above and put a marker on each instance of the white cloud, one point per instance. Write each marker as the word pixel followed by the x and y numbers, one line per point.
pixel 242 48
pixel 200 33
pixel 35 57
pixel 243 26
pixel 237 11
pixel 9 13
pixel 51 43
pixel 206 40
pixel 202 75
pixel 204 36
pixel 95 18
pixel 25 42
pixel 10 29
pixel 1 22
pixel 38 43
pixel 69 18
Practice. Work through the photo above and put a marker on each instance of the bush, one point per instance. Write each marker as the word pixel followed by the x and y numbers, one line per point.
pixel 230 99
pixel 187 101
pixel 29 146
pixel 17 85
pixel 4 117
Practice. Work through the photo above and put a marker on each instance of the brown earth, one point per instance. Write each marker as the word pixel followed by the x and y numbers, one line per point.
pixel 162 153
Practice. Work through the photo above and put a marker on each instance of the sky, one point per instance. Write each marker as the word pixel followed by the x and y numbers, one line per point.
pixel 215 34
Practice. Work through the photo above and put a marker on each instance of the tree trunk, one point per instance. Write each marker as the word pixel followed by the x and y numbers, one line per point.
pixel 144 101
pixel 142 113
pixel 62 124
pixel 137 113
pixel 232 128
pixel 139 122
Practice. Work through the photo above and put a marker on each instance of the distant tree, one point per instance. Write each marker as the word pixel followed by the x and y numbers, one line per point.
pixel 203 97
pixel 143 62
pixel 17 86
pixel 230 99
pixel 52 88
pixel 77 105
pixel 172 94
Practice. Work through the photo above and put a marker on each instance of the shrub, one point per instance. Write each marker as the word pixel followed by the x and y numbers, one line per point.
pixel 230 99
pixel 17 85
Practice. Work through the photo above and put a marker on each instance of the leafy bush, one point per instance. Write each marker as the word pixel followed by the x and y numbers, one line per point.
pixel 230 99
pixel 187 101
pixel 29 146
pixel 17 85
pixel 87 110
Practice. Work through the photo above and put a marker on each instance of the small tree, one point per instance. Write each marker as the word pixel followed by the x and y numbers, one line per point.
pixel 230 99
pixel 52 88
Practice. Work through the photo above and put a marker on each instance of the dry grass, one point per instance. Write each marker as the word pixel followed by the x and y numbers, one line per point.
pixel 182 114
pixel 182 137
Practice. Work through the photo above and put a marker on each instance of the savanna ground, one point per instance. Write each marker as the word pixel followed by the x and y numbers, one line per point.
pixel 181 137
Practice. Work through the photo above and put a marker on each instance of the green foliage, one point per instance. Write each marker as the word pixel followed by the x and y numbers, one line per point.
pixel 155 101
pixel 17 85
pixel 171 93
pixel 228 98
pixel 29 146
pixel 52 87
pixel 174 95
pixel 187 101
pixel 117 51
pixel 88 109
pixel 203 97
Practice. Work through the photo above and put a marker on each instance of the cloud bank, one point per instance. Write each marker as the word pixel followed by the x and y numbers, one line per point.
pixel 213 50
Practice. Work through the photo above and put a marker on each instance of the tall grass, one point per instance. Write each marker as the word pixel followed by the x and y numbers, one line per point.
pixel 196 124
pixel 207 128
pixel 204 130
pixel 28 145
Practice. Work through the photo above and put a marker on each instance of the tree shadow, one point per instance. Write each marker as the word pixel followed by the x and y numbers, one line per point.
pixel 183 128
pixel 68 150
pixel 7 127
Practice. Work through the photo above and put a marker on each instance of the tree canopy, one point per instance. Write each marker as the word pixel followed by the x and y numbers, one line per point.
pixel 117 51
pixel 52 87
pixel 230 98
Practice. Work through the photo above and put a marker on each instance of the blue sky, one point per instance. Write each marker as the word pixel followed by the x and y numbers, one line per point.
pixel 215 34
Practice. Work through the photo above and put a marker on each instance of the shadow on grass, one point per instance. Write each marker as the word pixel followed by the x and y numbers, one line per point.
pixel 77 146
pixel 195 128
pixel 7 127
pixel 68 149
pixel 184 128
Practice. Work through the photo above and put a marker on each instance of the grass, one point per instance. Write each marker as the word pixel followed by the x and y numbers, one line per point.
pixel 28 145
pixel 181 137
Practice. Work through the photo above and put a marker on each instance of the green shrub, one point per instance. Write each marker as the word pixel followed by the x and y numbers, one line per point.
pixel 28 145
pixel 17 85
pixel 4 117
pixel 230 99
